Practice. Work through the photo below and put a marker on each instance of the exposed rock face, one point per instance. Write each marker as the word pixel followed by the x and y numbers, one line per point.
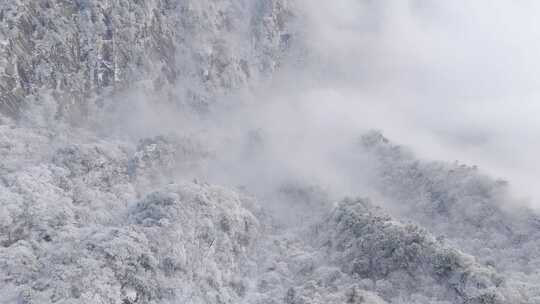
pixel 79 51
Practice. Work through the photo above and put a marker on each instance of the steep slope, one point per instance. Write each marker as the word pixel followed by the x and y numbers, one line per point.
pixel 458 202
pixel 80 51
pixel 92 214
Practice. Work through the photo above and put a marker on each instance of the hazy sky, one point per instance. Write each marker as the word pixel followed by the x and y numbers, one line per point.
pixel 455 80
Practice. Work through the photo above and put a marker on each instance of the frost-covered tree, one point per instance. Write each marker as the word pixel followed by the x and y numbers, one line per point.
pixel 81 51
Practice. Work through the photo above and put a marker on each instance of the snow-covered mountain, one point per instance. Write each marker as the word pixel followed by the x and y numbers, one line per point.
pixel 140 162
pixel 80 51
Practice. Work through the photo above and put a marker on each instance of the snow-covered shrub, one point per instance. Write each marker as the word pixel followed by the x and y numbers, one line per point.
pixel 454 201
pixel 403 258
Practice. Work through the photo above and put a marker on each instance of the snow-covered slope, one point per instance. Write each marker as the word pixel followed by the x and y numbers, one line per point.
pixel 76 228
pixel 92 220
pixel 80 51
pixel 101 203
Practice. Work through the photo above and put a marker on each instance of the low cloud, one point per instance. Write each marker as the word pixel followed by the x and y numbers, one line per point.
pixel 452 80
